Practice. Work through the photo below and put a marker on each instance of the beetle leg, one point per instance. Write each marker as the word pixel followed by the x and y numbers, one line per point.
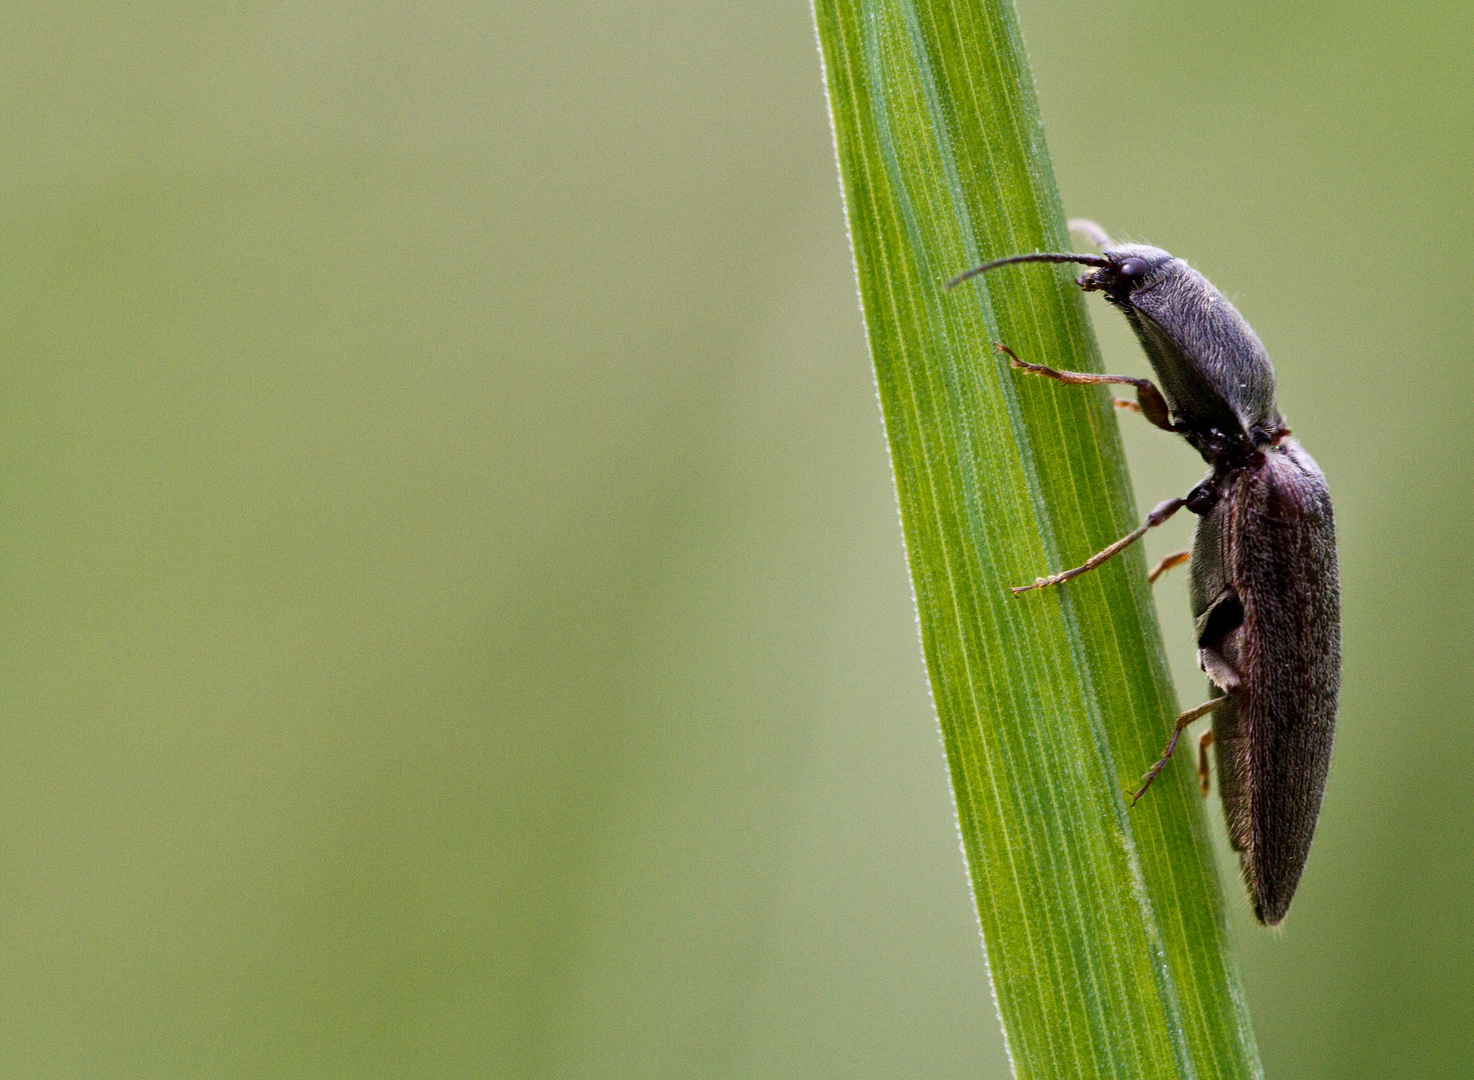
pixel 1203 744
pixel 1163 511
pixel 1177 558
pixel 1149 401
pixel 1182 721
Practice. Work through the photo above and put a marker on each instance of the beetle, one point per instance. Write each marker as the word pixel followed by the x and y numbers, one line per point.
pixel 1264 586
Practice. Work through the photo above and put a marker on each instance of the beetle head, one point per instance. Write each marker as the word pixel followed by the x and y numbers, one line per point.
pixel 1121 271
pixel 1128 268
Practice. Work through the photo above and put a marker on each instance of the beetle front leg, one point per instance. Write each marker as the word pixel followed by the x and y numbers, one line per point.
pixel 1161 513
pixel 1149 400
pixel 1182 722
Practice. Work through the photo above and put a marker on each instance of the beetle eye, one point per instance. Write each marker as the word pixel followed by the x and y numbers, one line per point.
pixel 1132 268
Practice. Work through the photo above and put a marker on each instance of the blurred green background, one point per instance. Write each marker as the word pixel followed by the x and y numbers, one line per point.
pixel 454 614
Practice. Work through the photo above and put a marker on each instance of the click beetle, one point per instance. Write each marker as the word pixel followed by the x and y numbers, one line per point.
pixel 1264 586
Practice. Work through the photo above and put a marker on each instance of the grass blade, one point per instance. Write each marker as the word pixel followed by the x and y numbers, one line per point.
pixel 1105 927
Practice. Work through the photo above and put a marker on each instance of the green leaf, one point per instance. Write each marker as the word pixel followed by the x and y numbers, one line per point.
pixel 1105 926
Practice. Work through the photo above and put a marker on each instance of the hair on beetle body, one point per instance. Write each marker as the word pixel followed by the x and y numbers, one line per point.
pixel 1263 580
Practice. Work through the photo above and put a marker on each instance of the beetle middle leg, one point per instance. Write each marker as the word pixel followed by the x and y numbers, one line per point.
pixel 1149 400
pixel 1203 744
pixel 1161 513
pixel 1177 558
pixel 1182 721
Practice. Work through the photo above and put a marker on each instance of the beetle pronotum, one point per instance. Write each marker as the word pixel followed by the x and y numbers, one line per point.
pixel 1264 587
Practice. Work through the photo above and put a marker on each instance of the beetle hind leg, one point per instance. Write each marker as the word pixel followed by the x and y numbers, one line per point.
pixel 1182 722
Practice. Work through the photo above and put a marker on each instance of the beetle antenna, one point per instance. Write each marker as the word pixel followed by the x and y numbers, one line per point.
pixel 1089 229
pixel 1040 256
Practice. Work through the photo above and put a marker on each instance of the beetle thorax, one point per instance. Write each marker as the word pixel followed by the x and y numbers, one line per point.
pixel 1214 371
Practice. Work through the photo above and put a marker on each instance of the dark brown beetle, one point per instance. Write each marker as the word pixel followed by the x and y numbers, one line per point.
pixel 1265 592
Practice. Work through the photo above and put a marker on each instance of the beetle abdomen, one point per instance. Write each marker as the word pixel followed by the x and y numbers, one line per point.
pixel 1281 563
